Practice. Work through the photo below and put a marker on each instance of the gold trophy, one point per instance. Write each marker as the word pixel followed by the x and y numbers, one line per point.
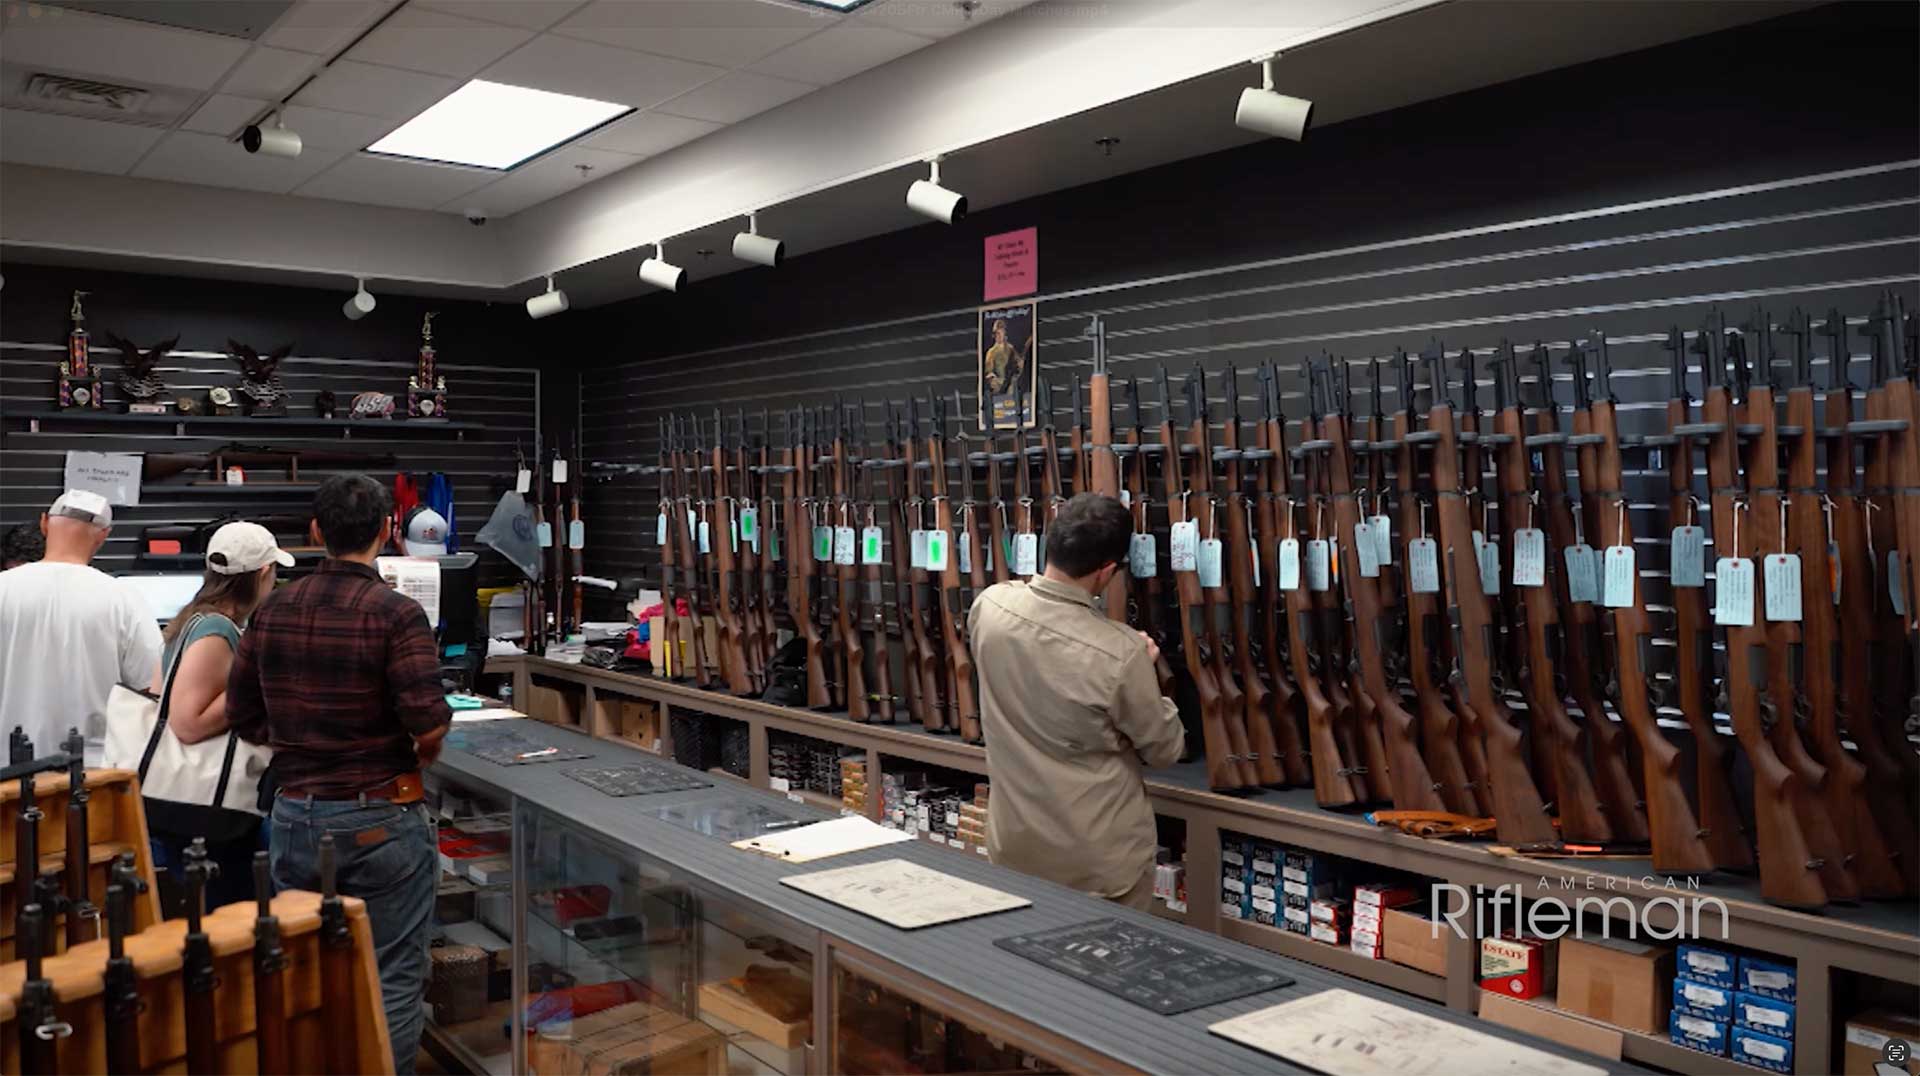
pixel 79 381
pixel 426 389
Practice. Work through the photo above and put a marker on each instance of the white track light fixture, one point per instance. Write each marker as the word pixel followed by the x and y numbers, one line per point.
pixel 1265 112
pixel 547 303
pixel 929 199
pixel 658 272
pixel 274 141
pixel 360 303
pixel 751 246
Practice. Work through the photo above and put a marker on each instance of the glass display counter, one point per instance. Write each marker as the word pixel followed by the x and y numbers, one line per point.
pixel 470 987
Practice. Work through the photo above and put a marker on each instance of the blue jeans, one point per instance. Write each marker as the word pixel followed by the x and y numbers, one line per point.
pixel 389 857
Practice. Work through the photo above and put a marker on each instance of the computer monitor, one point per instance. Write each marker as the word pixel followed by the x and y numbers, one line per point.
pixel 166 593
pixel 460 599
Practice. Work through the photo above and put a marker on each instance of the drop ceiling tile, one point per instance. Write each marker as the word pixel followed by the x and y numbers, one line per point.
pixel 324 27
pixel 224 114
pixel 385 181
pixel 374 91
pixel 72 142
pixel 532 14
pixel 269 73
pixel 439 43
pixel 840 53
pixel 646 133
pixel 212 161
pixel 549 177
pixel 119 50
pixel 585 69
pixel 324 128
pixel 933 18
pixel 735 97
pixel 730 33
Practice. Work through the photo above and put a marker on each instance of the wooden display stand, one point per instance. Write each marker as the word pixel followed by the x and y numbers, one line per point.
pixel 632 1038
pixel 156 953
pixel 116 823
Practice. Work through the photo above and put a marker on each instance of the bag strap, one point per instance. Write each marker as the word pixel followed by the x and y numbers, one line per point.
pixel 166 696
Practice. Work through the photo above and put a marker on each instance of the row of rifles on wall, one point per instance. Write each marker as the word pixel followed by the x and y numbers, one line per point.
pixel 1430 609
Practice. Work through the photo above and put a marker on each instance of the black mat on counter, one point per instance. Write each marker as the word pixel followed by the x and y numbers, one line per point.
pixel 1153 970
pixel 730 821
pixel 504 748
pixel 638 779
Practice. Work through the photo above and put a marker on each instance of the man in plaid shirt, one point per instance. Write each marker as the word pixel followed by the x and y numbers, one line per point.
pixel 340 675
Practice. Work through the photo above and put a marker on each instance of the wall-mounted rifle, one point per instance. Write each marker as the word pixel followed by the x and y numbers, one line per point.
pixel 197 978
pixel 1272 470
pixel 802 517
pixel 872 545
pixel 1241 556
pixel 269 974
pixel 120 1002
pixel 940 559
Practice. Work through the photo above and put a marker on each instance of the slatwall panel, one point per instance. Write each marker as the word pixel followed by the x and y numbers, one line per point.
pixel 1632 270
pixel 503 399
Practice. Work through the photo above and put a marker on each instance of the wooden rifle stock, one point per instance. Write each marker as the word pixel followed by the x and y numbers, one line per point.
pixel 912 631
pixel 952 618
pixel 79 898
pixel 846 607
pixel 726 602
pixel 1263 743
pixel 1099 466
pixel 745 564
pixel 933 700
pixel 197 978
pixel 269 975
pixel 686 471
pixel 1286 707
pixel 1215 600
pixel 1142 603
pixel 1363 735
pixel 767 527
pixel 873 610
pixel 670 635
pixel 802 515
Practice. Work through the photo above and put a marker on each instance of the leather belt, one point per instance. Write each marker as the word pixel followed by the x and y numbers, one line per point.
pixel 404 789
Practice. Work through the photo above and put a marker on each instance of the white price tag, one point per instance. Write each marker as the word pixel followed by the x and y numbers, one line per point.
pixel 1126 498
pixel 1583 575
pixel 1210 552
pixel 1186 546
pixel 1288 568
pixel 1896 586
pixel 823 544
pixel 1688 566
pixel 1783 586
pixel 1616 589
pixel 577 534
pixel 1487 553
pixel 1381 528
pixel 773 544
pixel 1529 557
pixel 1143 556
pixel 1423 566
pixel 522 480
pixel 1026 554
pixel 693 522
pixel 919 549
pixel 843 545
pixel 871 544
pixel 559 471
pixel 733 535
pixel 750 527
pixel 704 548
pixel 1367 550
pixel 1733 577
pixel 660 529
pixel 1318 575
pixel 545 535
pixel 936 551
pixel 965 545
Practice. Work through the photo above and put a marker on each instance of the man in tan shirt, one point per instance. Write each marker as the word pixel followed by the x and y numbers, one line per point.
pixel 1072 712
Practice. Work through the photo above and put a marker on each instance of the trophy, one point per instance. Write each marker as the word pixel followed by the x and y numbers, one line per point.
pixel 220 401
pixel 79 381
pixel 140 377
pixel 260 385
pixel 426 390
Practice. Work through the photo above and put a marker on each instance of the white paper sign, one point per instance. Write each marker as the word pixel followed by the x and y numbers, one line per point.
pixel 1583 576
pixel 871 544
pixel 1210 553
pixel 1616 588
pixel 936 551
pixel 1783 586
pixel 416 577
pixel 1026 554
pixel 1143 556
pixel 113 475
pixel 1317 565
pixel 1366 550
pixel 843 545
pixel 1688 567
pixel 1529 557
pixel 1186 546
pixel 1733 577
pixel 1423 566
pixel 1288 568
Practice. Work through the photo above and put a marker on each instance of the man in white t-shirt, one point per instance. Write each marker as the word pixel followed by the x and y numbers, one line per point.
pixel 69 632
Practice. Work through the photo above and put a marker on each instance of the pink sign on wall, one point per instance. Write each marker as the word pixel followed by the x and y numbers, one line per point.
pixel 1013 264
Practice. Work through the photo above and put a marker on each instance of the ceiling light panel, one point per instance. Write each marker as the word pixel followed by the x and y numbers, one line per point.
pixel 494 125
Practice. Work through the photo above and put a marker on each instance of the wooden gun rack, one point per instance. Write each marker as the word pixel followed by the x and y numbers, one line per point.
pixel 116 823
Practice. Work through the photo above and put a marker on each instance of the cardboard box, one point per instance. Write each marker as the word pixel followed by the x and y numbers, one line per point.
pixel 1767 978
pixel 1407 937
pixel 1762 1014
pixel 1706 1036
pixel 555 706
pixel 1383 896
pixel 1866 1041
pixel 1704 964
pixel 1331 910
pixel 1330 933
pixel 1517 967
pixel 640 720
pixel 1703 1000
pixel 1265 911
pixel 1537 1019
pixel 1761 1049
pixel 1616 981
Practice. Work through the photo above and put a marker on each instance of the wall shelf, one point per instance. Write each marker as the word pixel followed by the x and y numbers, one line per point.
pixel 345 428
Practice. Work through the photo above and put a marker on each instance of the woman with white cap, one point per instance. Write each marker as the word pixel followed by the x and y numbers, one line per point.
pixel 242 559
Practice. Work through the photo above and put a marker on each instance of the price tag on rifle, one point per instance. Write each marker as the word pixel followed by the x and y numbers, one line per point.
pixel 1423 566
pixel 843 545
pixel 1126 498
pixel 1185 549
pixel 522 481
pixel 1026 554
pixel 704 538
pixel 660 529
pixel 1209 562
pixel 1896 586
pixel 1143 556
pixel 1318 572
pixel 577 534
pixel 1688 566
pixel 733 535
pixel 917 555
pixel 773 543
pixel 936 551
pixel 1487 555
pixel 1040 552
pixel 871 544
pixel 559 472
pixel 1381 528
pixel 750 527
pixel 823 544
pixel 1734 579
pixel 1529 557
pixel 1583 576
pixel 1367 550
pixel 545 534
pixel 1616 586
pixel 1833 569
pixel 1287 570
pixel 1783 586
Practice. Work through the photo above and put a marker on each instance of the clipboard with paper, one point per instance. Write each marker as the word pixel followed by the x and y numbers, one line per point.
pixel 819 840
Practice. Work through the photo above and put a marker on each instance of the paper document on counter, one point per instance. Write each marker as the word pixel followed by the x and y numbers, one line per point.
pixel 903 894
pixel 491 713
pixel 818 840
pixel 1345 1034
pixel 416 577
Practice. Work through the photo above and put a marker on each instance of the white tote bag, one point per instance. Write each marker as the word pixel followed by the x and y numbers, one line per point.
pixel 211 788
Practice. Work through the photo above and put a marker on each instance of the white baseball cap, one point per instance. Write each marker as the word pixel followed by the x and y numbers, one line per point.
pixel 244 547
pixel 426 533
pixel 85 506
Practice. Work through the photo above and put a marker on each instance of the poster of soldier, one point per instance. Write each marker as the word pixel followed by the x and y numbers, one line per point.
pixel 1008 371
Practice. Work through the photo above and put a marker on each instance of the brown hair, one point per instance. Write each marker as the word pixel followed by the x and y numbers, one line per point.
pixel 218 594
